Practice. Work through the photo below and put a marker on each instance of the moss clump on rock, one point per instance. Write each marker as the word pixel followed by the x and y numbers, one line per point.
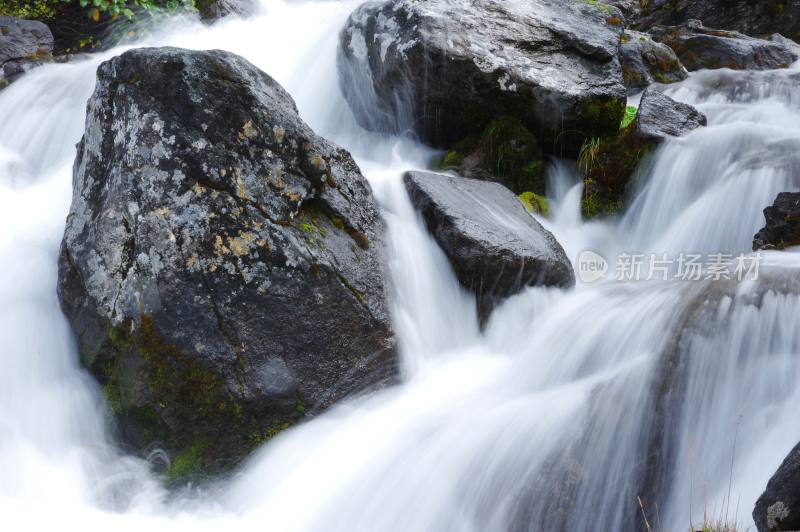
pixel 535 203
pixel 506 152
pixel 599 201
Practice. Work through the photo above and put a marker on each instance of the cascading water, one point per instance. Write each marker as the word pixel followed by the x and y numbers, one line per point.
pixel 565 409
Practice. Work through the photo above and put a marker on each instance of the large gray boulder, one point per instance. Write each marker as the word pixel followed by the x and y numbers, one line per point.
pixel 645 61
pixel 445 69
pixel 221 264
pixel 495 246
pixel 778 508
pixel 782 229
pixel 660 117
pixel 699 47
pixel 23 45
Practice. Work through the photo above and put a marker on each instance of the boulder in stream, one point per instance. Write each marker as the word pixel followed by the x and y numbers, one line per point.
pixel 23 45
pixel 778 508
pixel 495 246
pixel 699 47
pixel 445 70
pixel 645 61
pixel 783 223
pixel 221 264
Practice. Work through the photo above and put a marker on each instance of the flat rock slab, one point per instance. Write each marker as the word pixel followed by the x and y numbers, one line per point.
pixel 495 246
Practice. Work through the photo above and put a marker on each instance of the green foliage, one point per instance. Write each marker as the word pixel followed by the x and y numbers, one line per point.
pixel 48 10
pixel 451 160
pixel 630 116
pixel 189 461
pixel 535 203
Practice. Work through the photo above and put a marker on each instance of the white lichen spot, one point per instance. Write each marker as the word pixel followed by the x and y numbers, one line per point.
pixel 279 133
pixel 505 83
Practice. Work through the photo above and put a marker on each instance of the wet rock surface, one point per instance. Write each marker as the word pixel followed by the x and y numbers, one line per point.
pixel 645 61
pixel 782 229
pixel 445 70
pixel 700 47
pixel 495 246
pixel 23 45
pixel 778 508
pixel 221 264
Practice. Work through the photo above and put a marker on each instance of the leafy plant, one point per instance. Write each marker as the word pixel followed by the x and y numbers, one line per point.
pixel 630 116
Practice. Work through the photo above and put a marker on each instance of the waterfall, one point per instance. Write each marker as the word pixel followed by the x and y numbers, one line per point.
pixel 568 406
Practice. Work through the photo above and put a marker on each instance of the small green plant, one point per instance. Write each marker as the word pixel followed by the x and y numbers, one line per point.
pixel 587 159
pixel 630 116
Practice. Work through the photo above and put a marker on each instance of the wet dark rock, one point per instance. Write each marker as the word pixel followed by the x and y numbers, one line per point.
pixel 699 47
pixel 782 229
pixel 757 18
pixel 778 508
pixel 610 164
pixel 24 44
pixel 645 61
pixel 506 152
pixel 211 10
pixel 221 265
pixel 495 246
pixel 446 70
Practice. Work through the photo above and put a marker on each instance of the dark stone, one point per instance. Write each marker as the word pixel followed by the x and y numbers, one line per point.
pixel 783 223
pixel 778 508
pixel 24 44
pixel 446 70
pixel 211 10
pixel 612 163
pixel 752 17
pixel 699 47
pixel 221 264
pixel 495 246
pixel 645 61
pixel 506 152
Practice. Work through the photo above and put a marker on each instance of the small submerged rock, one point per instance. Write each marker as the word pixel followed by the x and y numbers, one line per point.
pixel 221 264
pixel 495 246
pixel 446 69
pixel 782 229
pixel 699 47
pixel 24 44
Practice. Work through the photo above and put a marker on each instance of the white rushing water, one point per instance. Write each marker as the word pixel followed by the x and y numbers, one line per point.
pixel 565 409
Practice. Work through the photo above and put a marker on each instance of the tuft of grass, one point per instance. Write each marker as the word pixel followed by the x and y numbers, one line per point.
pixel 588 155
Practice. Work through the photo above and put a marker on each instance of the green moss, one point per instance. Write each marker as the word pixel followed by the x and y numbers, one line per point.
pixel 630 116
pixel 600 114
pixel 599 201
pixel 189 461
pixel 112 397
pixel 512 154
pixel 451 160
pixel 299 406
pixel 535 203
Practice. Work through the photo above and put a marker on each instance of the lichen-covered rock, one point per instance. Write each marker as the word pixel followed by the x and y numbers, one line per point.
pixel 757 18
pixel 783 223
pixel 221 264
pixel 699 47
pixel 610 164
pixel 23 45
pixel 495 246
pixel 506 152
pixel 778 508
pixel 645 61
pixel 446 69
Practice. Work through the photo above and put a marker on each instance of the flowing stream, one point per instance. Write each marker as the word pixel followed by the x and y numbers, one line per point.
pixel 566 408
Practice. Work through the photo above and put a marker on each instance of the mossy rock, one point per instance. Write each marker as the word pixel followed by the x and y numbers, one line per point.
pixel 599 201
pixel 506 152
pixel 535 203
